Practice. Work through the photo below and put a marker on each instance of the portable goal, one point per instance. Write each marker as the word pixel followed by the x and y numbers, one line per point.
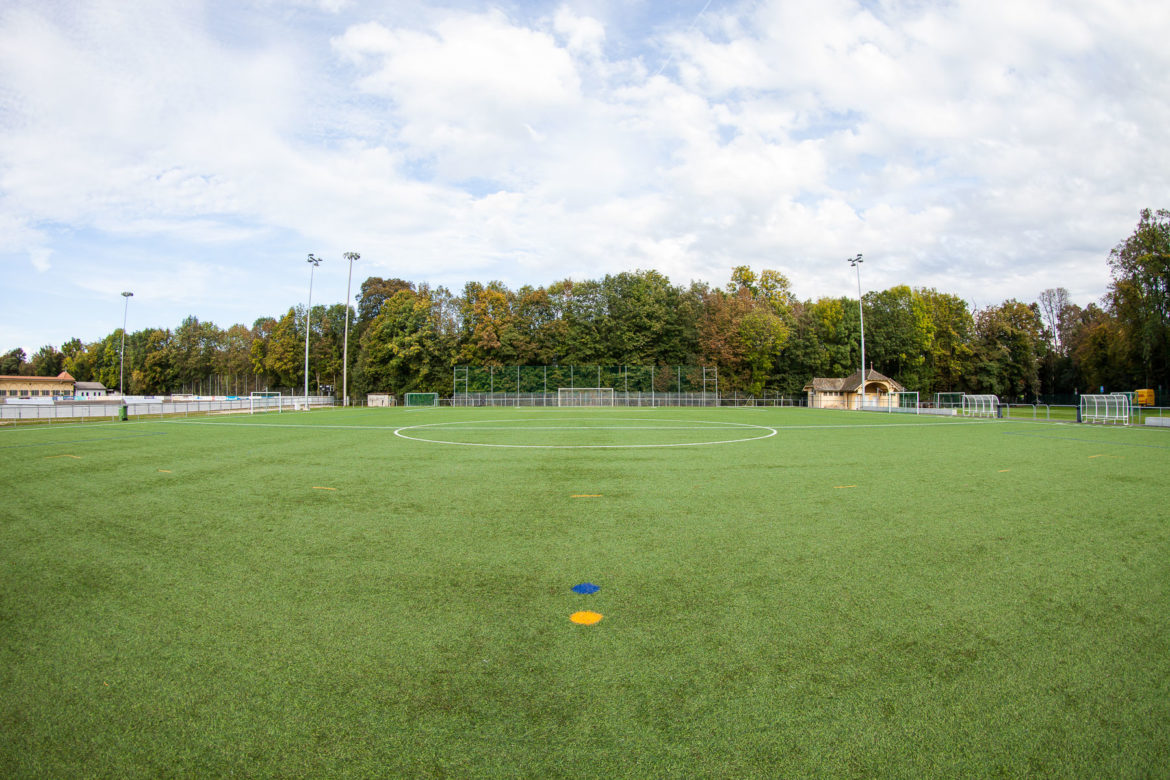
pixel 264 402
pixel 585 396
pixel 421 399
pixel 904 401
pixel 980 406
pixel 1112 408
pixel 948 400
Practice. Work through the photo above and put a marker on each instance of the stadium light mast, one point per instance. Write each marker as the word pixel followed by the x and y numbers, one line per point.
pixel 313 261
pixel 856 263
pixel 350 256
pixel 122 356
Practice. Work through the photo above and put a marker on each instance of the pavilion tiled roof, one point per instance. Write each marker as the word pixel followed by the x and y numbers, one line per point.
pixel 849 384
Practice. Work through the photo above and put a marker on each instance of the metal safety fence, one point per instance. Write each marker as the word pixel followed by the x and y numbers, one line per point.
pixel 138 408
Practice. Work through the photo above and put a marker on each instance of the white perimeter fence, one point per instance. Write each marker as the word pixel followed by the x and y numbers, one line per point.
pixel 79 411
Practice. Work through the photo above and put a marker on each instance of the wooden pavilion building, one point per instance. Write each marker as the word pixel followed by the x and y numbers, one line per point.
pixel 845 393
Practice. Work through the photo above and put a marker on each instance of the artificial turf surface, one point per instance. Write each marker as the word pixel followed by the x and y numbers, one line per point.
pixel 822 593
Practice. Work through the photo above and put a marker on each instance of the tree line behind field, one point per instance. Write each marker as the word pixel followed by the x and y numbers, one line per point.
pixel 406 337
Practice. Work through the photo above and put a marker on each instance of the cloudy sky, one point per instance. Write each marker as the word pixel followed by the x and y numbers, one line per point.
pixel 195 151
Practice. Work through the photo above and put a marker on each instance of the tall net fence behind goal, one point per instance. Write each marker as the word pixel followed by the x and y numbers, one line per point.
pixel 585 396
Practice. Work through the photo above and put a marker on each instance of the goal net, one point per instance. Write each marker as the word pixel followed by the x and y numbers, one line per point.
pixel 948 400
pixel 980 406
pixel 421 399
pixel 1112 408
pixel 905 401
pixel 264 402
pixel 585 396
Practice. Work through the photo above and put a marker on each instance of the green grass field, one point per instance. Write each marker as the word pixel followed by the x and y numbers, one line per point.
pixel 786 593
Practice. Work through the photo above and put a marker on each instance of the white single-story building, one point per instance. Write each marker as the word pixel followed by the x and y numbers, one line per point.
pixel 89 390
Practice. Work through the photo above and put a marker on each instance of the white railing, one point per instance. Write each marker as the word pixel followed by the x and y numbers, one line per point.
pixel 136 407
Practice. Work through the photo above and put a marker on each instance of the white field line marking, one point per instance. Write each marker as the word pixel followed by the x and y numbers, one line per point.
pixel 770 433
pixel 746 427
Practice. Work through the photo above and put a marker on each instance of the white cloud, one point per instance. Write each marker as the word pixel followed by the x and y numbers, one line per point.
pixel 40 258
pixel 991 148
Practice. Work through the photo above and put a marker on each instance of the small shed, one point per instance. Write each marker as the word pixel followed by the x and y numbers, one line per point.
pixel 89 390
pixel 381 399
pixel 845 392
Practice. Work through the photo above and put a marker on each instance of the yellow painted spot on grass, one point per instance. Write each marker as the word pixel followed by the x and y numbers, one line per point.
pixel 843 487
pixel 1095 456
pixel 1004 471
pixel 317 487
pixel 585 618
pixel 75 457
pixel 587 495
pixel 164 471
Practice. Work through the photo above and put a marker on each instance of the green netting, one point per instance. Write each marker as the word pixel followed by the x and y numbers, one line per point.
pixel 421 399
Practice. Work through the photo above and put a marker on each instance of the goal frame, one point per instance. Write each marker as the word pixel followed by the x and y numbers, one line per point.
pixel 1104 408
pixel 898 398
pixel 266 398
pixel 948 400
pixel 415 400
pixel 585 396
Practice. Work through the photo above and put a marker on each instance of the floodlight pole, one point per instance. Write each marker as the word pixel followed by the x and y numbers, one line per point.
pixel 122 356
pixel 314 262
pixel 350 256
pixel 856 263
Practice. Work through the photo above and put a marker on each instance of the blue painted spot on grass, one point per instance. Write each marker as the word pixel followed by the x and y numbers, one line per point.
pixel 586 588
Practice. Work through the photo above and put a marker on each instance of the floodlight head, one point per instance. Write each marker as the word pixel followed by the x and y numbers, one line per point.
pixel 316 261
pixel 127 295
pixel 853 261
pixel 351 256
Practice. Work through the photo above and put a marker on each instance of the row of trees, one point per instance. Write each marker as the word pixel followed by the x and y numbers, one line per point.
pixel 407 337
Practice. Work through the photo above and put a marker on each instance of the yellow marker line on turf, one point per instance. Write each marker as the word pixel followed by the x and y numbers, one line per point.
pixel 164 471
pixel 77 457
pixel 842 487
pixel 1004 471
pixel 586 495
pixel 315 487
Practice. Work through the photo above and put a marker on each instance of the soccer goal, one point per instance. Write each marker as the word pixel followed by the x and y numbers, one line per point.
pixel 264 402
pixel 948 400
pixel 421 399
pixel 1112 408
pixel 980 406
pixel 905 401
pixel 585 396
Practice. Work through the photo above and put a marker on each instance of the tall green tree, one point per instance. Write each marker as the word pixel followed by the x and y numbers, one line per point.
pixel 1139 296
pixel 46 361
pixel 403 349
pixel 12 362
pixel 899 335
pixel 952 325
pixel 1009 340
